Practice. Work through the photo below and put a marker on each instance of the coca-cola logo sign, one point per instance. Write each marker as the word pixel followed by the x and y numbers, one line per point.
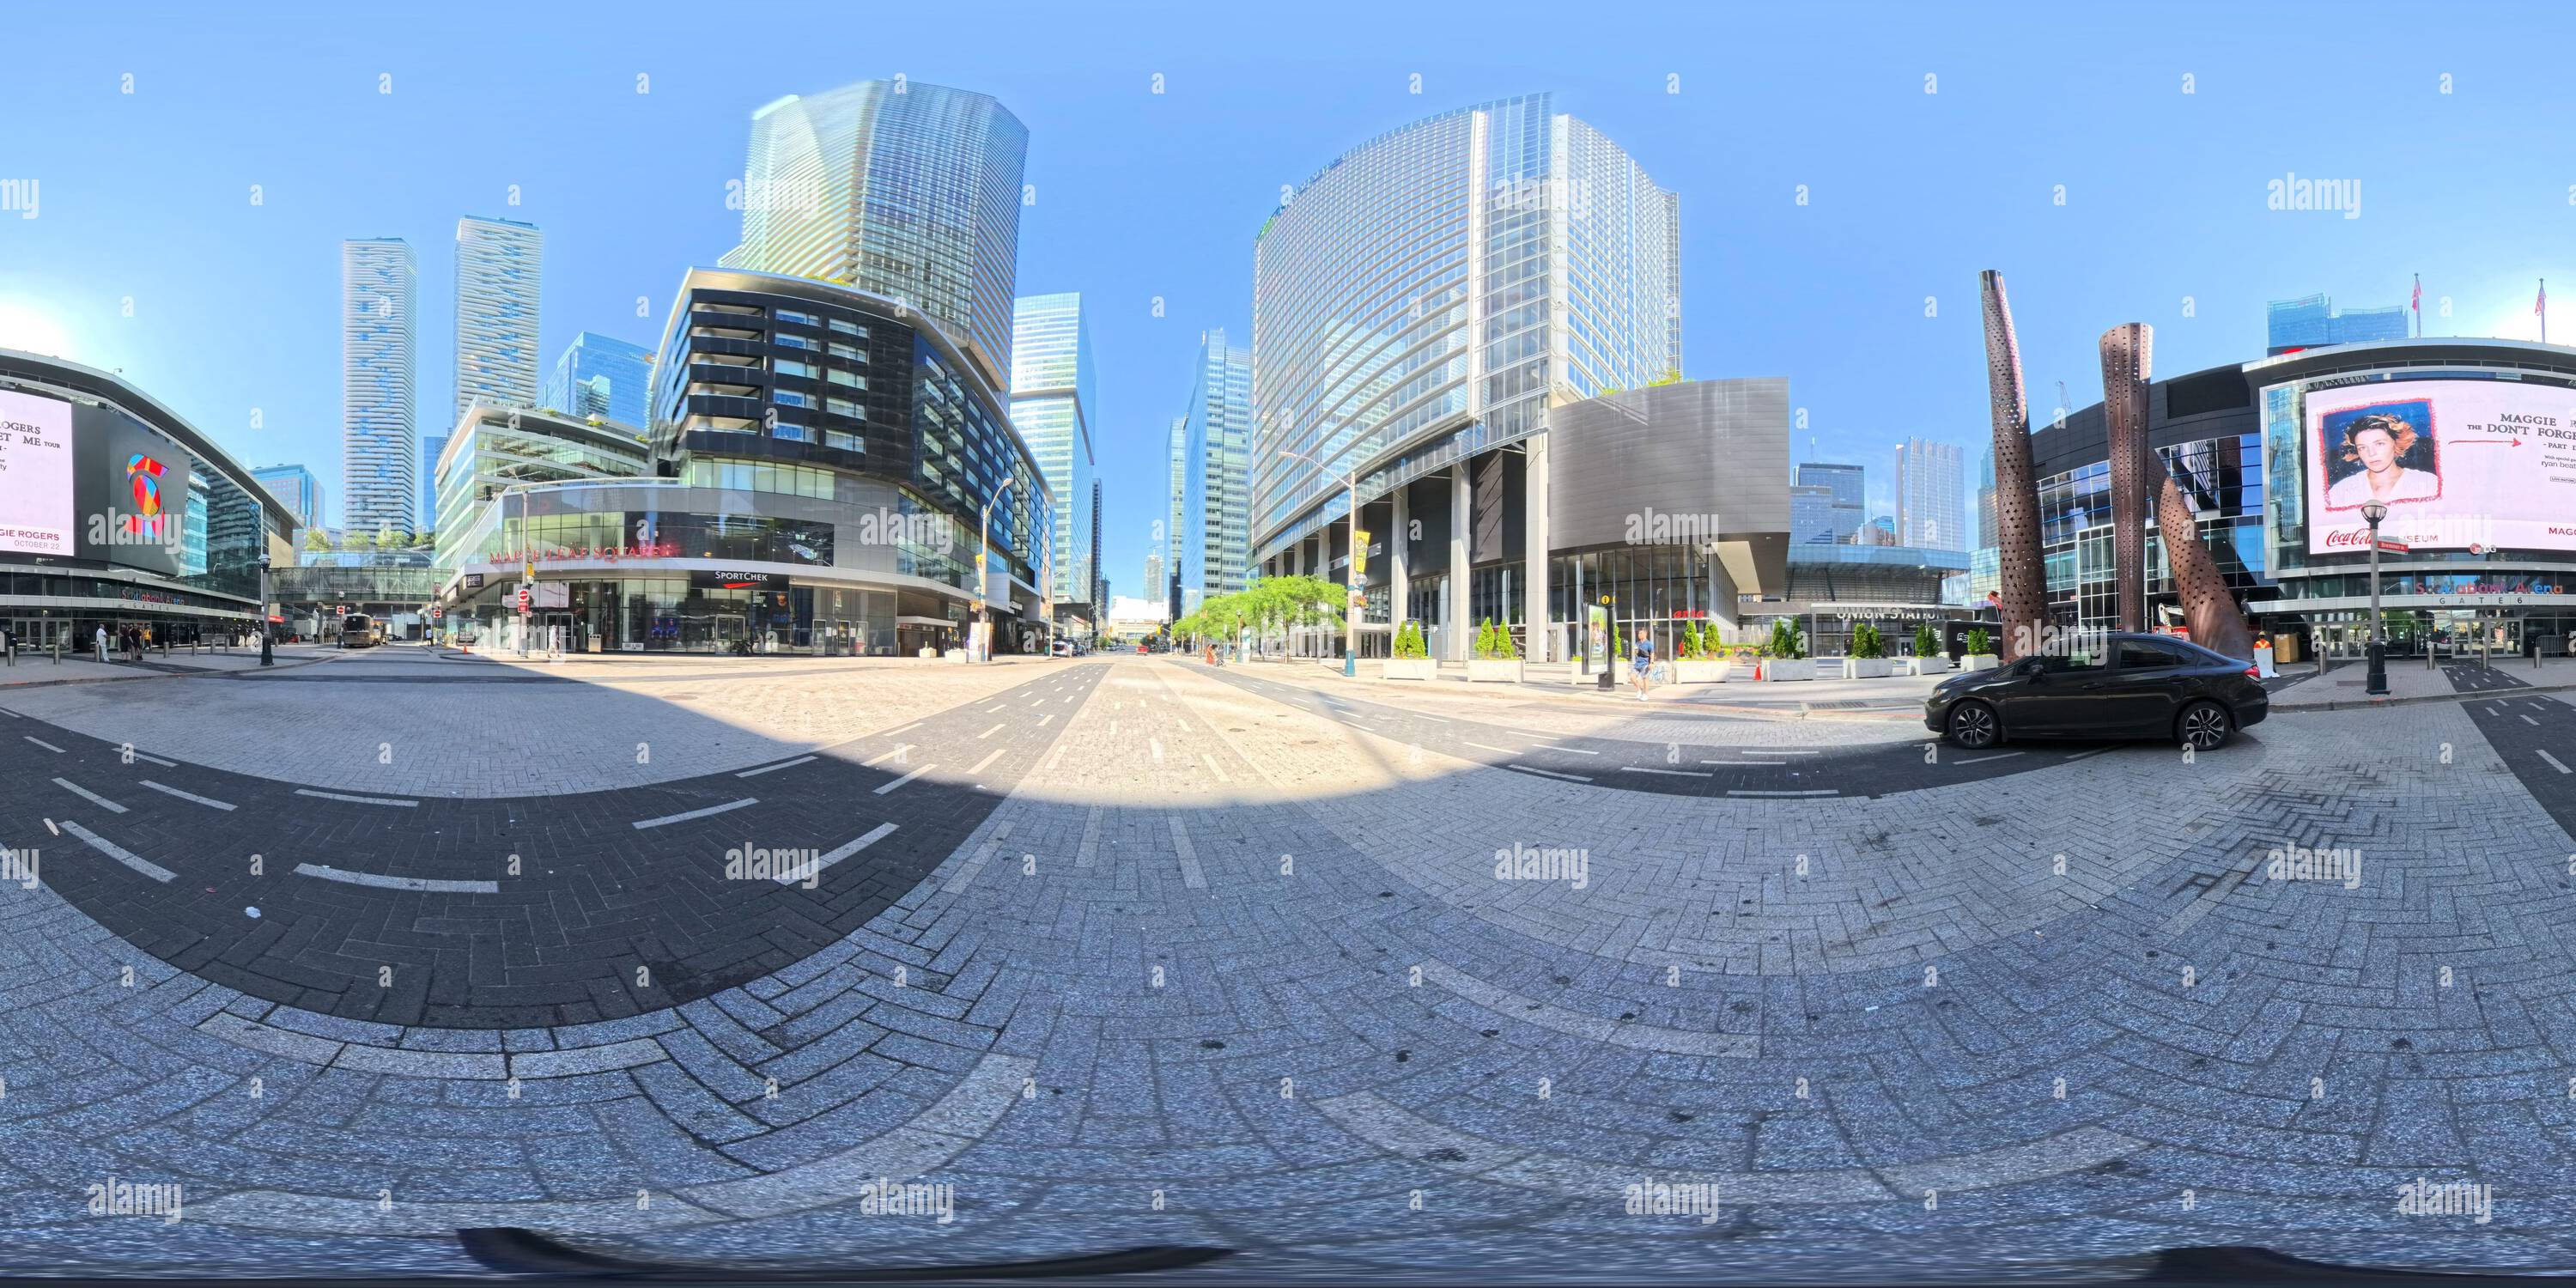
pixel 2347 538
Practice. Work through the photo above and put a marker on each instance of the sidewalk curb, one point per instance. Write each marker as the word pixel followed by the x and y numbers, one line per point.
pixel 2367 703
pixel 1526 692
pixel 163 675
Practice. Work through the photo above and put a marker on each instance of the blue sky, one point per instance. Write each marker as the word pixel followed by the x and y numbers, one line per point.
pixel 146 197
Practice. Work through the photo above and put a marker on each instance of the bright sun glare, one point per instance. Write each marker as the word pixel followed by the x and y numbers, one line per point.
pixel 28 327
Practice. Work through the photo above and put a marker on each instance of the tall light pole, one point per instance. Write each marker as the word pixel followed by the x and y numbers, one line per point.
pixel 267 656
pixel 2371 513
pixel 983 547
pixel 1350 608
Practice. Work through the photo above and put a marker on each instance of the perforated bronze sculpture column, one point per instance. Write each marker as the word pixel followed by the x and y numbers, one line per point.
pixel 2025 580
pixel 2127 358
pixel 2207 608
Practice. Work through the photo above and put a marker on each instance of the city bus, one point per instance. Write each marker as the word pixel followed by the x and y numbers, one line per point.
pixel 357 630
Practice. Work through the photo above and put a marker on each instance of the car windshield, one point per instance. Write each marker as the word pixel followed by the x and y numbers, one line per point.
pixel 1682 642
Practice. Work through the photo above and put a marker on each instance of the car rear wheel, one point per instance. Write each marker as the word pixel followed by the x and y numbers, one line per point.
pixel 1973 725
pixel 2203 726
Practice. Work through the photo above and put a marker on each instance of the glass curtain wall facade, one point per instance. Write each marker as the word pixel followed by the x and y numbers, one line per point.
pixel 1446 278
pixel 500 283
pixel 1216 445
pixel 496 448
pixel 296 486
pixel 901 189
pixel 2221 477
pixel 379 364
pixel 1052 405
pixel 598 375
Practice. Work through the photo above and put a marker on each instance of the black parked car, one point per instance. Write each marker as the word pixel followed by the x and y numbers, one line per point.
pixel 2130 686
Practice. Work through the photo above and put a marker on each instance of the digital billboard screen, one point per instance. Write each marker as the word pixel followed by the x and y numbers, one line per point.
pixel 2459 463
pixel 35 474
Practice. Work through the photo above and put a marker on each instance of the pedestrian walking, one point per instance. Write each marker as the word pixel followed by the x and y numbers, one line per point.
pixel 1641 662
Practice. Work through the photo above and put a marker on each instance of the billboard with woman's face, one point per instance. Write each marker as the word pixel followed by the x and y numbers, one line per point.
pixel 2456 462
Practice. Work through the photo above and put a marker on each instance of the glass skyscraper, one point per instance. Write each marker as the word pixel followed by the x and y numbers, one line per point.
pixel 598 375
pixel 1428 291
pixel 1216 444
pixel 2311 322
pixel 296 486
pixel 500 272
pixel 1052 403
pixel 1839 510
pixel 379 358
pixel 898 188
pixel 1930 492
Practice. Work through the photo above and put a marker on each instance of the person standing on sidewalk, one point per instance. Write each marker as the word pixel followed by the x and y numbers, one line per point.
pixel 1641 662
pixel 101 641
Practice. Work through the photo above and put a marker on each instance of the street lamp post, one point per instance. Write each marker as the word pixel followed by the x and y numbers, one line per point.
pixel 267 655
pixel 983 548
pixel 1351 606
pixel 2371 513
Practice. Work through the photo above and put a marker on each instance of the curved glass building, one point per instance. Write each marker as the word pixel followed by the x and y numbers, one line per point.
pixel 1424 300
pixel 900 189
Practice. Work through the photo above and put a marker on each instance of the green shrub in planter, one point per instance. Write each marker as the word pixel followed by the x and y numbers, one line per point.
pixel 1408 643
pixel 1787 641
pixel 1865 642
pixel 1978 643
pixel 1926 643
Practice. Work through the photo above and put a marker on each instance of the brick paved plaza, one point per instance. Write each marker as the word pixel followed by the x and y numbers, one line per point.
pixel 1339 975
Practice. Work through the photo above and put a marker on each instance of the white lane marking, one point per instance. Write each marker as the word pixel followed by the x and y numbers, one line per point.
pixel 42 743
pixel 1508 751
pixel 119 853
pixel 1677 773
pixel 1213 768
pixel 990 732
pixel 397 883
pixel 86 794
pixel 2553 762
pixel 357 800
pixel 875 834
pixel 165 764
pixel 905 779
pixel 784 764
pixel 2529 721
pixel 1554 746
pixel 990 710
pixel 642 823
pixel 1157 744
pixel 207 801
pixel 1191 874
pixel 901 729
pixel 899 749
pixel 1068 698
pixel 1438 719
pixel 1821 791
pixel 1770 751
pixel 1979 760
pixel 1042 720
pixel 979 765
pixel 1532 769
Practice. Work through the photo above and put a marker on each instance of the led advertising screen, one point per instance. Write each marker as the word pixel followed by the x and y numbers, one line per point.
pixel 35 474
pixel 2459 464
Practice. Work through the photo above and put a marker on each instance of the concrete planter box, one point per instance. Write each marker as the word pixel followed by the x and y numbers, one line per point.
pixel 1980 662
pixel 1413 668
pixel 1868 668
pixel 1936 664
pixel 1789 668
pixel 1494 671
pixel 1702 670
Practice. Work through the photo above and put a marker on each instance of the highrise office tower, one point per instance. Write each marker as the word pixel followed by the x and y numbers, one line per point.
pixel 500 272
pixel 1846 498
pixel 2311 322
pixel 898 188
pixel 1216 550
pixel 1052 403
pixel 601 376
pixel 1986 499
pixel 1099 573
pixel 1930 492
pixel 296 486
pixel 430 446
pixel 1154 579
pixel 1444 281
pixel 379 351
pixel 1176 504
